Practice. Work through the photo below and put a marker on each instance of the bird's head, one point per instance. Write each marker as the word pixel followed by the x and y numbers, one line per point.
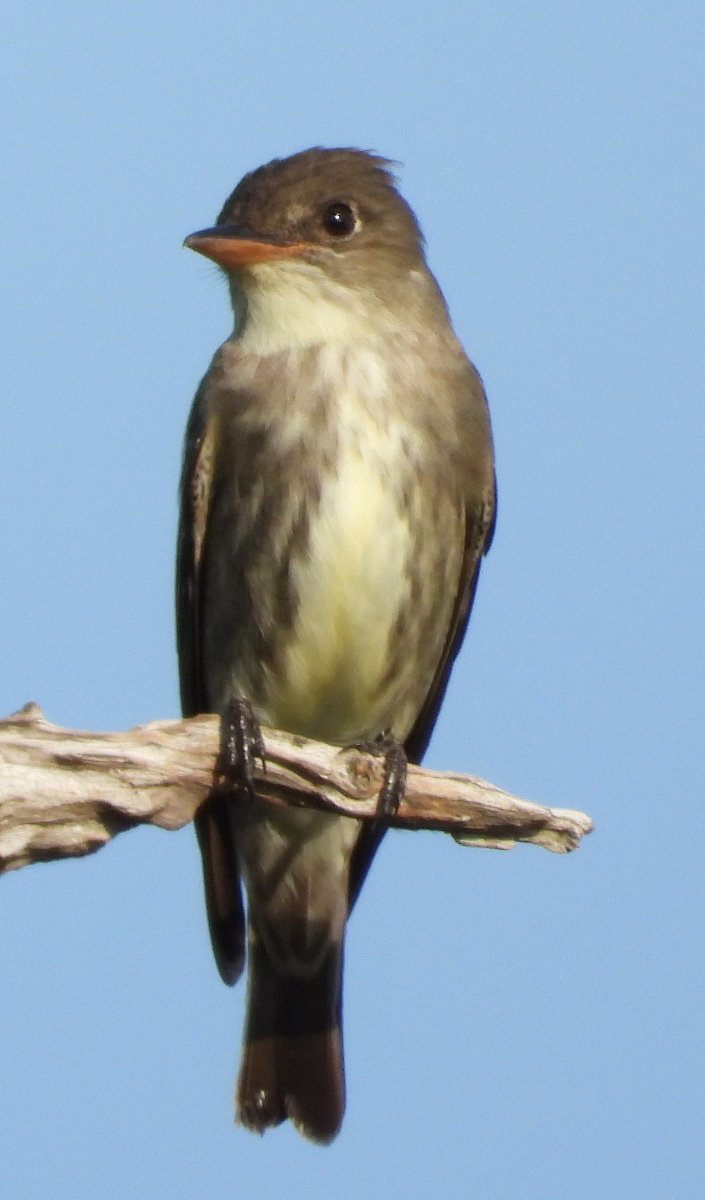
pixel 322 238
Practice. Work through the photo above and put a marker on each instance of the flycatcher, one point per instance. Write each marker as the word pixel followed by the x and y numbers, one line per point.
pixel 337 497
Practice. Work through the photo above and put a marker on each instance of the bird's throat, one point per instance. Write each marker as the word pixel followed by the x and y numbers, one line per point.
pixel 291 305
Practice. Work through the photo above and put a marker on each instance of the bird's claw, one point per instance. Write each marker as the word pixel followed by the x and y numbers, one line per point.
pixel 393 786
pixel 242 745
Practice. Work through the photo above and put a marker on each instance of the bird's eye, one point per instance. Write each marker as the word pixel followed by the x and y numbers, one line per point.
pixel 339 219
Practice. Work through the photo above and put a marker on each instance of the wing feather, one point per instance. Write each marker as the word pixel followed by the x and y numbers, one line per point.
pixel 213 827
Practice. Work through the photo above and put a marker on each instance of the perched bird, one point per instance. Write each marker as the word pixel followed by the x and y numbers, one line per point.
pixel 337 497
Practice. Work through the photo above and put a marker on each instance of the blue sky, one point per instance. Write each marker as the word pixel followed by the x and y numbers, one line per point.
pixel 518 1026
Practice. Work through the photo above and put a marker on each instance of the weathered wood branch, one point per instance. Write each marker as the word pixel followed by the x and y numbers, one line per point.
pixel 65 793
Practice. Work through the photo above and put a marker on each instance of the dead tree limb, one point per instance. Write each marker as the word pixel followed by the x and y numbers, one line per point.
pixel 65 793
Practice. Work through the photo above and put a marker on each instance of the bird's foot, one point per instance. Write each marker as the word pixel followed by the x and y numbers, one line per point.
pixel 241 745
pixel 390 796
pixel 393 786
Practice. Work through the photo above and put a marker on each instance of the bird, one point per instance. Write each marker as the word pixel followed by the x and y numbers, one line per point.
pixel 337 498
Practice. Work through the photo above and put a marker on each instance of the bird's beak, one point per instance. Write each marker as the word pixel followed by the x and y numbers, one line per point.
pixel 233 246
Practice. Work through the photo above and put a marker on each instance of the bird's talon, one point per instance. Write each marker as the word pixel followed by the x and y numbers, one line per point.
pixel 242 744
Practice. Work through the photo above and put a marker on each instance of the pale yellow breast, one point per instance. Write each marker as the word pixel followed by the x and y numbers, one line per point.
pixel 351 585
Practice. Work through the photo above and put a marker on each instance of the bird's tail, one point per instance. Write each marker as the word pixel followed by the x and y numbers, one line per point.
pixel 292 1057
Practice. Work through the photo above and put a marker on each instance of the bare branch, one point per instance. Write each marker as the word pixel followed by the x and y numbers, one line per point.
pixel 65 793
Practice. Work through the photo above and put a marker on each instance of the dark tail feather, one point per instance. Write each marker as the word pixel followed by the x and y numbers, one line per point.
pixel 292 1060
pixel 226 919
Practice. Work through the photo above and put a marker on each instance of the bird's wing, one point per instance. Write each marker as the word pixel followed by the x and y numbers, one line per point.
pixel 479 527
pixel 480 512
pixel 194 499
pixel 220 870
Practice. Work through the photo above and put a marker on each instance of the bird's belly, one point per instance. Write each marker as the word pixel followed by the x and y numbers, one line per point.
pixel 329 680
pixel 352 586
